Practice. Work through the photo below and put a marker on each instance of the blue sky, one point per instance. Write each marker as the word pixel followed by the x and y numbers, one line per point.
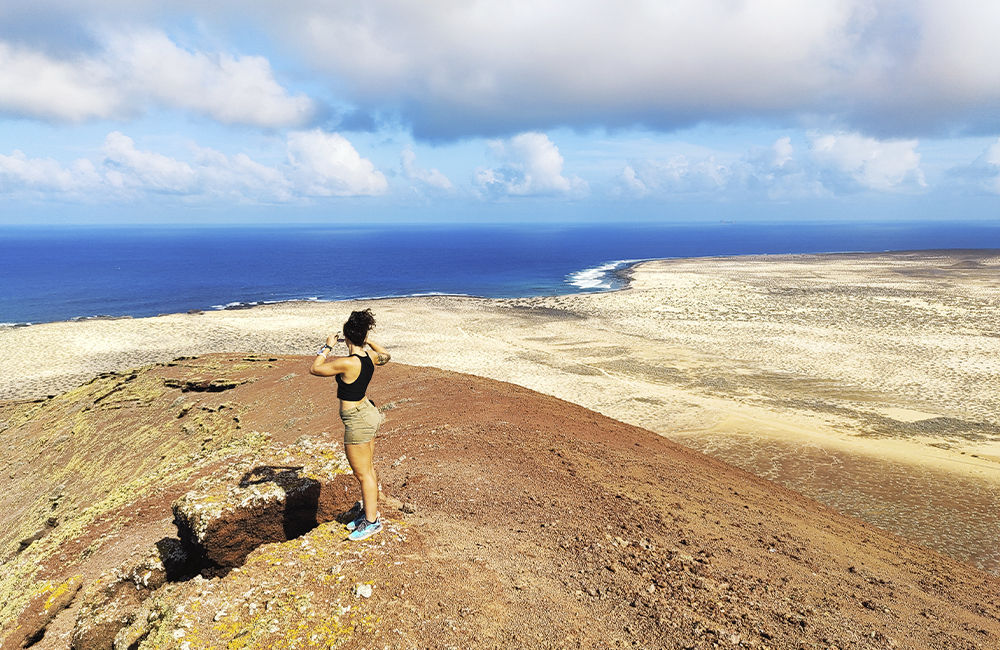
pixel 541 110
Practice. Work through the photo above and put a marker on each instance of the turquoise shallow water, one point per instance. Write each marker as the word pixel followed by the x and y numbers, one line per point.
pixel 52 274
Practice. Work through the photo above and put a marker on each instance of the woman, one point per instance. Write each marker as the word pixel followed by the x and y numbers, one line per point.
pixel 361 418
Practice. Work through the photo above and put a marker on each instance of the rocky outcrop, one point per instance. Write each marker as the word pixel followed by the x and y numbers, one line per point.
pixel 271 497
pixel 113 601
pixel 44 607
pixel 263 500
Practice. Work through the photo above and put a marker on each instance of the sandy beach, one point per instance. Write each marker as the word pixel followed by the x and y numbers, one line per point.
pixel 865 381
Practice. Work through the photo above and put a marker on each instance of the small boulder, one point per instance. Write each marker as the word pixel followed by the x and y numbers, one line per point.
pixel 50 523
pixel 391 503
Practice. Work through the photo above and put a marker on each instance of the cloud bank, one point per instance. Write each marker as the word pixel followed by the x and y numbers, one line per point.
pixel 319 164
pixel 834 164
pixel 456 69
pixel 855 85
pixel 144 69
pixel 982 175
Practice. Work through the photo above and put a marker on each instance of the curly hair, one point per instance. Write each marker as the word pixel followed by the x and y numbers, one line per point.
pixel 358 325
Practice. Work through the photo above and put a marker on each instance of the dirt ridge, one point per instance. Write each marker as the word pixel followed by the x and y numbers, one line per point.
pixel 529 522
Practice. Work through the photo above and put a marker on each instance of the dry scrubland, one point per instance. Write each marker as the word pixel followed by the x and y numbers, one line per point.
pixel 866 381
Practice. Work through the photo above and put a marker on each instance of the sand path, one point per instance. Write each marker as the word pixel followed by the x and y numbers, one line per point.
pixel 868 382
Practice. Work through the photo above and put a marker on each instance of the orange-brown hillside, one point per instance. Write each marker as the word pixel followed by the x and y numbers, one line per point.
pixel 514 520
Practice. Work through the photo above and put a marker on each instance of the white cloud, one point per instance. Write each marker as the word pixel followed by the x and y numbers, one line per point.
pixel 319 164
pixel 834 164
pixel 676 176
pixel 783 151
pixel 459 69
pixel 531 165
pixel 232 90
pixel 982 174
pixel 129 168
pixel 431 177
pixel 873 164
pixel 240 178
pixel 136 70
pixel 992 155
pixel 776 173
pixel 631 183
pixel 34 85
pixel 326 164
pixel 18 172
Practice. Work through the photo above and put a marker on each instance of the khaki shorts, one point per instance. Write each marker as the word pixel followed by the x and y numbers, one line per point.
pixel 361 422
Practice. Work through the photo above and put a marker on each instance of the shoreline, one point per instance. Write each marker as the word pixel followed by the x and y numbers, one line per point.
pixel 623 275
pixel 817 371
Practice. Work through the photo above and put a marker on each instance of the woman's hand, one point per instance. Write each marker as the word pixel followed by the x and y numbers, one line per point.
pixel 333 339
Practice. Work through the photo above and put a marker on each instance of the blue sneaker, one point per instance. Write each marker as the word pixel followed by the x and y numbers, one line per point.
pixel 357 511
pixel 365 529
pixel 354 523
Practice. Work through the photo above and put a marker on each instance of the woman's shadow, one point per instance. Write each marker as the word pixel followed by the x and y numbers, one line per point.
pixel 301 496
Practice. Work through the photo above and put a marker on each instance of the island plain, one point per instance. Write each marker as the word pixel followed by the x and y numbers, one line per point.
pixel 864 381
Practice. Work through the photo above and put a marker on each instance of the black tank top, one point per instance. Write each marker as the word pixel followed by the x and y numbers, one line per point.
pixel 355 391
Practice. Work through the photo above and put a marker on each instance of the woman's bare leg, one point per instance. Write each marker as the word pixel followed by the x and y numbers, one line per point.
pixel 360 458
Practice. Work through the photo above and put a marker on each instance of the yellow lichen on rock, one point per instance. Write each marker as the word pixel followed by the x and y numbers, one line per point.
pixel 43 606
pixel 82 446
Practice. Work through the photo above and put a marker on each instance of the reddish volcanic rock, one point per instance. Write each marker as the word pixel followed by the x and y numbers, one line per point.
pixel 264 500
pixel 113 601
pixel 30 626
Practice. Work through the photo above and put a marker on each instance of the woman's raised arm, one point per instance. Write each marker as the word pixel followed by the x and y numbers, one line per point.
pixel 324 366
pixel 382 355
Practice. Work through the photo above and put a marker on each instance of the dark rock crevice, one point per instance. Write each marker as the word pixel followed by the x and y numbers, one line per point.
pixel 219 528
pixel 204 385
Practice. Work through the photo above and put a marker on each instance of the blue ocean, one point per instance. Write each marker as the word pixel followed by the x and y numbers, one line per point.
pixel 53 274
